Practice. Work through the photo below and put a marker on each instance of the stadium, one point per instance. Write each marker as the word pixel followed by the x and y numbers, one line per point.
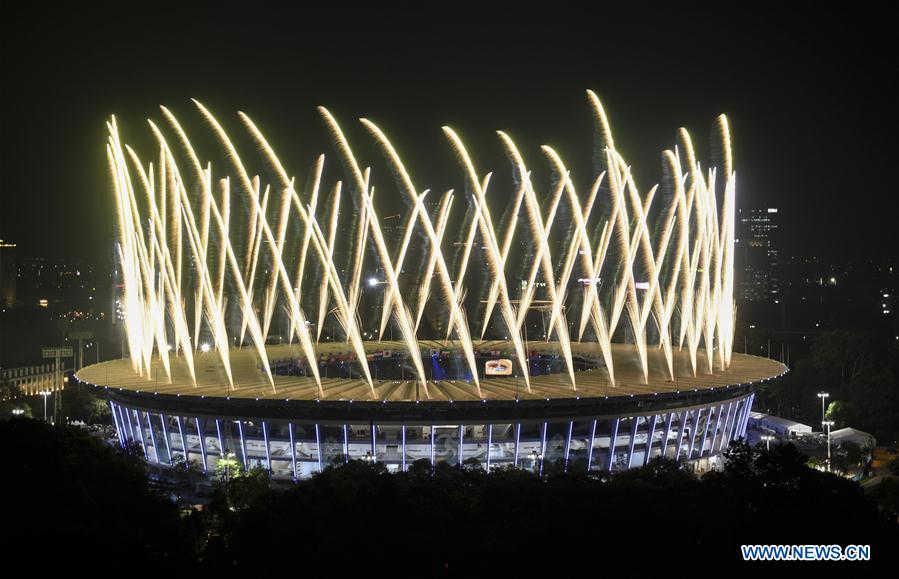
pixel 290 329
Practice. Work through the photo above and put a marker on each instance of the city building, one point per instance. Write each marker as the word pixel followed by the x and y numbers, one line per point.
pixel 8 274
pixel 758 259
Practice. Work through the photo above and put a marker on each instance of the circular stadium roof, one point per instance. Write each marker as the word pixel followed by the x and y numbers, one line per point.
pixel 250 382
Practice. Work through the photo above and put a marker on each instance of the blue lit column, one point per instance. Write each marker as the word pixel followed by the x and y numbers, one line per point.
pixel 202 436
pixel 612 441
pixel 268 456
pixel 184 450
pixel 165 433
pixel 633 441
pixel 293 449
pixel 318 444
pixel 705 431
pixel 680 437
pixel 693 432
pixel 590 448
pixel 153 438
pixel 668 418
pixel 243 445
pixel 489 444
pixel 568 444
pixel 649 437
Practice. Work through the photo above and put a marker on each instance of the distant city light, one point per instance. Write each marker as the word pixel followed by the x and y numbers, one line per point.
pixel 204 347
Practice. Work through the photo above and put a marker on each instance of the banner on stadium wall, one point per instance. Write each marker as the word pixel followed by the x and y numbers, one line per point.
pixel 501 367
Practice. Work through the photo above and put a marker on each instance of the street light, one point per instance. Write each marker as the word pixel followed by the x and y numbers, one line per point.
pixel 823 396
pixel 767 438
pixel 45 393
pixel 827 424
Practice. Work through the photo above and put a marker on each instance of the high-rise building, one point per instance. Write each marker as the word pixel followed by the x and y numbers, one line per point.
pixel 757 255
pixel 8 274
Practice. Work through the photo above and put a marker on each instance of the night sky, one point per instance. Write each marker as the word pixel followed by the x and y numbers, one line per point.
pixel 812 98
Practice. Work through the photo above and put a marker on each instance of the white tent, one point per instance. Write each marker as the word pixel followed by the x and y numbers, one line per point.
pixel 860 438
pixel 778 425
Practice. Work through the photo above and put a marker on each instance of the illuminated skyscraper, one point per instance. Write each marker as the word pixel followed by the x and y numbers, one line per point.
pixel 758 255
pixel 8 274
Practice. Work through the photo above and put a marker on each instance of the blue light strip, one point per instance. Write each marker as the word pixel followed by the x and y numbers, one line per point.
pixel 374 442
pixel 202 437
pixel 123 413
pixel 668 418
pixel 568 443
pixel 612 441
pixel 183 441
pixel 705 432
pixel 719 429
pixel 218 430
pixel 517 439
pixel 652 433
pixel 746 414
pixel 543 448
pixel 318 443
pixel 115 418
pixel 346 445
pixel 165 432
pixel 243 445
pixel 268 456
pixel 489 444
pixel 696 417
pixel 590 448
pixel 727 424
pixel 293 449
pixel 404 447
pixel 433 458
pixel 683 429
pixel 153 437
pixel 143 439
pixel 630 447
pixel 461 434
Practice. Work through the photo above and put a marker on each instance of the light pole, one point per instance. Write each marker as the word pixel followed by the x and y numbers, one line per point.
pixel 823 396
pixel 45 393
pixel 767 438
pixel 827 424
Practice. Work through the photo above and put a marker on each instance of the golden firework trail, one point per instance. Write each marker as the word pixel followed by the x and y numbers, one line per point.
pixel 217 259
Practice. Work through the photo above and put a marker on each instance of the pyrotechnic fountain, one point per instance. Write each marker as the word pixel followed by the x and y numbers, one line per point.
pixel 259 256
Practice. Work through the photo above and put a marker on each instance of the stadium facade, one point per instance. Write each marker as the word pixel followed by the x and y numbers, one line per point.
pixel 540 323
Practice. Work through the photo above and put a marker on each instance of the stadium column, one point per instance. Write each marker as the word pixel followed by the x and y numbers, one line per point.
pixel 649 436
pixel 489 444
pixel 201 434
pixel 403 431
pixel 746 414
pixel 668 418
pixel 705 431
pixel 318 444
pixel 183 441
pixel 517 439
pixel 728 424
pixel 293 448
pixel 543 448
pixel 612 440
pixel 153 437
pixel 680 437
pixel 118 429
pixel 268 454
pixel 568 444
pixel 715 429
pixel 165 433
pixel 693 431
pixel 243 445
pixel 590 446
pixel 635 423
